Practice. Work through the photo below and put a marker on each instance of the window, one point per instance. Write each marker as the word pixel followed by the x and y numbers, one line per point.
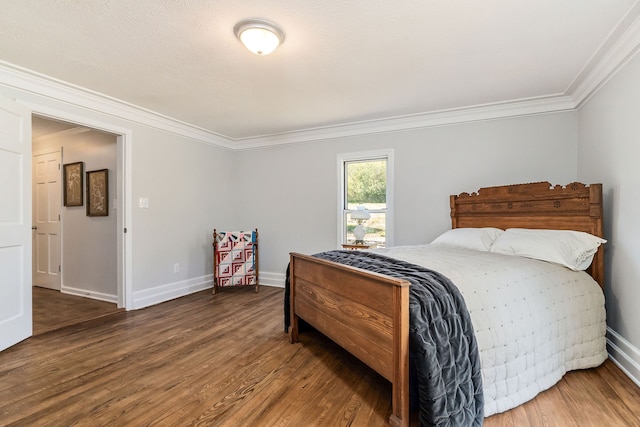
pixel 366 181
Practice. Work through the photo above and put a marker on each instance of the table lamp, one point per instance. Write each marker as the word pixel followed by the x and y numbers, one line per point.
pixel 360 215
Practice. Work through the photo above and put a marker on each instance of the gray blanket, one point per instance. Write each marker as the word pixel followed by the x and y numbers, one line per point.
pixel 443 351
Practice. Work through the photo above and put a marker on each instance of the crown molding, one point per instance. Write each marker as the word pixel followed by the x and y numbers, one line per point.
pixel 622 51
pixel 499 110
pixel 22 79
pixel 580 91
pixel 25 80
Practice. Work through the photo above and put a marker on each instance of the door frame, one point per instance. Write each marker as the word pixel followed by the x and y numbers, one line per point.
pixel 124 203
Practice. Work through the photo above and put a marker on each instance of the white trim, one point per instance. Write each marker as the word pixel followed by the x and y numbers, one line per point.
pixel 574 97
pixel 274 285
pixel 522 107
pixel 125 221
pixel 389 231
pixel 26 80
pixel 89 294
pixel 625 48
pixel 22 79
pixel 367 155
pixel 169 291
pixel 624 355
pixel 275 280
pixel 124 181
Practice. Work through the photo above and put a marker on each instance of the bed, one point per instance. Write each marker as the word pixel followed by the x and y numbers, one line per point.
pixel 368 313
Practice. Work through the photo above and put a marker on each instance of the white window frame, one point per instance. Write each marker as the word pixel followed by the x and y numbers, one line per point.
pixel 342 212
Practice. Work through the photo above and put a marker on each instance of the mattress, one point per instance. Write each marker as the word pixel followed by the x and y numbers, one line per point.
pixel 533 320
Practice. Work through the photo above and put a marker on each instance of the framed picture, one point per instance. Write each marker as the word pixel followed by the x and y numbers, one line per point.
pixel 98 193
pixel 73 184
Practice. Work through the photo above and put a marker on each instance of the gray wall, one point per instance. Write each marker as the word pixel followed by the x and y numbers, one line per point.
pixel 430 164
pixel 609 152
pixel 190 190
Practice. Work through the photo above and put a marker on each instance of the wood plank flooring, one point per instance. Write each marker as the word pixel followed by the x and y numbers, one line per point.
pixel 224 360
pixel 54 310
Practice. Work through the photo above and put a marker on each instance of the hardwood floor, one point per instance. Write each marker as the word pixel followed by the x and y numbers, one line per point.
pixel 54 310
pixel 224 360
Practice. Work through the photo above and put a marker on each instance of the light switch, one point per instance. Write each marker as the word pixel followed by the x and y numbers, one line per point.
pixel 143 202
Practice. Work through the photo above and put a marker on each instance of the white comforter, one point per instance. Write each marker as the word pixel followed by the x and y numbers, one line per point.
pixel 533 320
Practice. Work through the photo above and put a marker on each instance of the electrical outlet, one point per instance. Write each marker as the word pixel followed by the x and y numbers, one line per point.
pixel 143 202
pixel 176 267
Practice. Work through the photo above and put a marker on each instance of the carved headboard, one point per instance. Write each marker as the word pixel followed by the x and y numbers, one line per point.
pixel 575 206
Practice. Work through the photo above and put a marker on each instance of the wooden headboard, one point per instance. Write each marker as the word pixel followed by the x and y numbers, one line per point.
pixel 575 206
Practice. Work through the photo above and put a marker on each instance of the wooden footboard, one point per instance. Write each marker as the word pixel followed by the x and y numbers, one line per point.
pixel 366 313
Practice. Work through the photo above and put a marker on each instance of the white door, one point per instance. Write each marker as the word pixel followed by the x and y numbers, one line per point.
pixel 46 220
pixel 15 223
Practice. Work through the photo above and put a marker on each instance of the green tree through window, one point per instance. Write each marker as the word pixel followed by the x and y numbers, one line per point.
pixel 365 182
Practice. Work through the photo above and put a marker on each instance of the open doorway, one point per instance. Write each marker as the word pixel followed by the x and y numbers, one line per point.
pixel 75 255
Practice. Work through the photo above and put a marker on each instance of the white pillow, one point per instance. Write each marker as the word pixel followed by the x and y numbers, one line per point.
pixel 479 239
pixel 573 249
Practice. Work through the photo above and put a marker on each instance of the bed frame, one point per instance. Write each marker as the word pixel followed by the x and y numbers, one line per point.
pixel 368 313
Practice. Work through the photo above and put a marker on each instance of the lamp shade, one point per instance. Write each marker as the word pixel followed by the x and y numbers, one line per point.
pixel 360 213
pixel 259 36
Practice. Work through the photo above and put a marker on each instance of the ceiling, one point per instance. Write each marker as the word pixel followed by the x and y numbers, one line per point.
pixel 342 62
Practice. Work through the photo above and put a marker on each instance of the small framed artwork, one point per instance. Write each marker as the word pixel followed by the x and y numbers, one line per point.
pixel 98 193
pixel 73 184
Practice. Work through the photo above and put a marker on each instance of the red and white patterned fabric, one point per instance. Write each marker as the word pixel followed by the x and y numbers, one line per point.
pixel 235 258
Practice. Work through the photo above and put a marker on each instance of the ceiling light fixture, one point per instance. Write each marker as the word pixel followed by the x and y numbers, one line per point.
pixel 259 36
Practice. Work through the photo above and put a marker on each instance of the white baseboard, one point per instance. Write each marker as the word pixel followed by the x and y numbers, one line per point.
pixel 624 354
pixel 169 291
pixel 272 279
pixel 89 294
